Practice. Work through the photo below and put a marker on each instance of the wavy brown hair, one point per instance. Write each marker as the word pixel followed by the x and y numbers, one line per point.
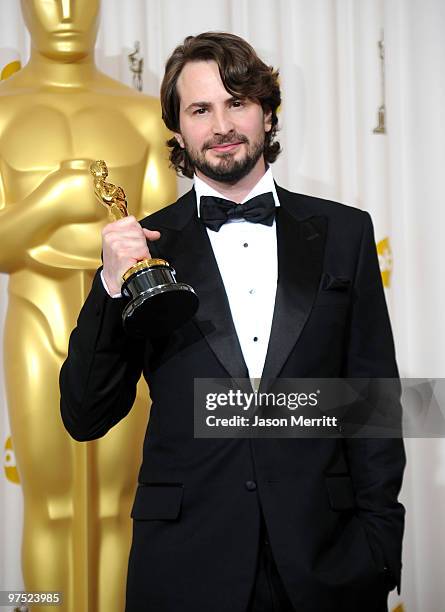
pixel 244 75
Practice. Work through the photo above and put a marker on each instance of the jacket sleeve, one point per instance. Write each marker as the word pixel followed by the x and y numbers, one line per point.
pixel 99 376
pixel 376 464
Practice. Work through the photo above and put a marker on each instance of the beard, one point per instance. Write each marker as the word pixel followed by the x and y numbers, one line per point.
pixel 226 169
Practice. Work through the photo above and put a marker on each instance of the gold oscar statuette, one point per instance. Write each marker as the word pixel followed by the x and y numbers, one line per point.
pixel 158 303
pixel 59 113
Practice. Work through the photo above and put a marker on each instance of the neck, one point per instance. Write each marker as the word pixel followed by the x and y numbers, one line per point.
pixel 239 190
pixel 57 73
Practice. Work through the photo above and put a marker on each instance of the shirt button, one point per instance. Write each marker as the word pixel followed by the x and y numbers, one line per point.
pixel 255 339
pixel 251 291
pixel 250 485
pixel 245 245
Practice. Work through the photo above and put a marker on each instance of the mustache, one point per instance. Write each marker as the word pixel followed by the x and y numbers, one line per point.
pixel 225 139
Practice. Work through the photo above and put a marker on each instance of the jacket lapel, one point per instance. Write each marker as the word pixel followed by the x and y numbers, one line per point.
pixel 300 242
pixel 187 247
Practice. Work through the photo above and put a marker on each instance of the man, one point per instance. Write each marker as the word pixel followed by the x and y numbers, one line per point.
pixel 291 290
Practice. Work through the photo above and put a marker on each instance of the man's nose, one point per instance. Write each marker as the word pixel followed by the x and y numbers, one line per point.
pixel 66 10
pixel 222 122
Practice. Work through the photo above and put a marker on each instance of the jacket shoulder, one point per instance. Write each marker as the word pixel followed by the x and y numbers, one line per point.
pixel 307 205
pixel 172 215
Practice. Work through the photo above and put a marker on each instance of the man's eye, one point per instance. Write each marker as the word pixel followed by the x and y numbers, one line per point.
pixel 237 103
pixel 200 111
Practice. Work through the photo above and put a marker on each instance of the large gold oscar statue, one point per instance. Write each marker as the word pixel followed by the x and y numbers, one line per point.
pixel 57 115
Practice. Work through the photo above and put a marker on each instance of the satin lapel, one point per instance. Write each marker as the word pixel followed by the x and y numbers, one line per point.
pixel 300 244
pixel 191 254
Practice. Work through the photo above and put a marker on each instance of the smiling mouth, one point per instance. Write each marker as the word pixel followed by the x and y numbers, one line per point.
pixel 230 146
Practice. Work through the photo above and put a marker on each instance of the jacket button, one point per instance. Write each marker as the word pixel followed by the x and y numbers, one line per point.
pixel 250 485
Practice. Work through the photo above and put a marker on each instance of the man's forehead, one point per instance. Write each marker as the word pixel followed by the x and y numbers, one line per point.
pixel 200 80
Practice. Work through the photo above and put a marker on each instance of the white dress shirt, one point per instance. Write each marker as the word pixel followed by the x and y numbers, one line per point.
pixel 246 254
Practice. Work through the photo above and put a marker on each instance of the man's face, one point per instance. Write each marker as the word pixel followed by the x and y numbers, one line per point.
pixel 62 29
pixel 222 135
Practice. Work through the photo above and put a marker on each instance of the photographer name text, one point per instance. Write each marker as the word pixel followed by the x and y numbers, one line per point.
pixel 256 421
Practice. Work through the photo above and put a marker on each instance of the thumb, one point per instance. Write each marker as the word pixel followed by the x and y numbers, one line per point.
pixel 151 235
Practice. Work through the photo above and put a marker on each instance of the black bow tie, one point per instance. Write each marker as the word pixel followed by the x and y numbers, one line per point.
pixel 216 211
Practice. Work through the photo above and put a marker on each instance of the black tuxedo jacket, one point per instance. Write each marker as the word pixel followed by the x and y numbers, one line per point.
pixel 330 505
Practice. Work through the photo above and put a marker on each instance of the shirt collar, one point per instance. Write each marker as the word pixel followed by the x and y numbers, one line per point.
pixel 264 185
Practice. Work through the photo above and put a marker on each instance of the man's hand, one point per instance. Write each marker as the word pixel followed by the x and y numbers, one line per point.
pixel 124 243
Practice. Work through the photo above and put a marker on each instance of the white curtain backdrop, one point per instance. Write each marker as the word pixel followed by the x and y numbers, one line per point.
pixel 330 74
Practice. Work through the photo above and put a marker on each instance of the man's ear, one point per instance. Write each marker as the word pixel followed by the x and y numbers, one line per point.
pixel 179 139
pixel 267 120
